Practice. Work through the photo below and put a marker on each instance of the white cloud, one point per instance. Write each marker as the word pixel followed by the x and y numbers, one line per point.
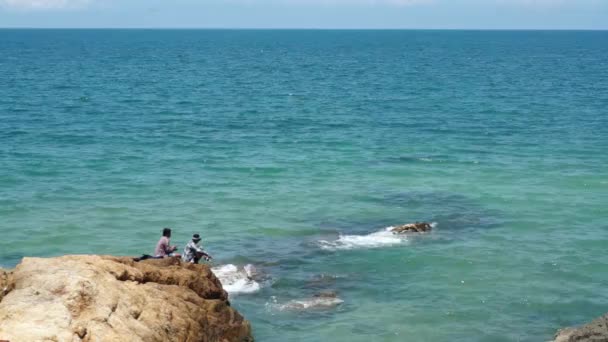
pixel 43 4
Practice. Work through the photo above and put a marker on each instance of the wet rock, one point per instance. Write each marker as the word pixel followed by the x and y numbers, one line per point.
pixel 237 279
pixel 596 331
pixel 326 294
pixel 319 301
pixel 104 298
pixel 417 227
pixel 252 272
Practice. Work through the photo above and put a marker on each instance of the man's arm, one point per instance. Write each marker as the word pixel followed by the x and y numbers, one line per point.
pixel 202 252
pixel 207 256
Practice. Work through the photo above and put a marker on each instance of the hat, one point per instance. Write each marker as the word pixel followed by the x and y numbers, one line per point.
pixel 196 237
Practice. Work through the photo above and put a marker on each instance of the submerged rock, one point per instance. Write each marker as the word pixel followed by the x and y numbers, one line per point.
pixel 418 227
pixel 315 303
pixel 323 300
pixel 326 294
pixel 596 331
pixel 104 298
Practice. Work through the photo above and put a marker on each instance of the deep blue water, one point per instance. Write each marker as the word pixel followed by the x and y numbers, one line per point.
pixel 293 150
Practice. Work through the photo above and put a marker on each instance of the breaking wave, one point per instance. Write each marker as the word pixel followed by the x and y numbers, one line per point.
pixel 237 280
pixel 374 240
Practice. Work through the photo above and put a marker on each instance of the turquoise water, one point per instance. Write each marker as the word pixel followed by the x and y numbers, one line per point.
pixel 293 150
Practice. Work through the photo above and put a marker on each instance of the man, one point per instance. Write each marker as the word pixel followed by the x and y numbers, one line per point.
pixel 193 252
pixel 163 247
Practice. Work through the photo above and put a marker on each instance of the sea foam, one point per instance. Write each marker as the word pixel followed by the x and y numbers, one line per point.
pixel 374 240
pixel 237 280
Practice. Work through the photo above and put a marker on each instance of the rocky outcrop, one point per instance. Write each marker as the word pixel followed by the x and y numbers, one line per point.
pixel 418 227
pixel 5 283
pixel 104 298
pixel 596 331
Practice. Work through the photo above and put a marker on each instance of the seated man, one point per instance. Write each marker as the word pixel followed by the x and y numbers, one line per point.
pixel 163 247
pixel 193 252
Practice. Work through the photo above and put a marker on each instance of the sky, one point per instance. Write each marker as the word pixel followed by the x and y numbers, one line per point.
pixel 319 14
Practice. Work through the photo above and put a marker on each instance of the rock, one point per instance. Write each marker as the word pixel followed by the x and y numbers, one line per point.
pixel 104 298
pixel 596 331
pixel 319 301
pixel 5 283
pixel 418 227
pixel 237 280
pixel 563 335
pixel 326 294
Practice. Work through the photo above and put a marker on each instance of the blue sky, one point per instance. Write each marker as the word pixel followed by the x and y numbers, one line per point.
pixel 455 14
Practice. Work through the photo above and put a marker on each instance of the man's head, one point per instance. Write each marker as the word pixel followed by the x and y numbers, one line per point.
pixel 196 238
pixel 167 232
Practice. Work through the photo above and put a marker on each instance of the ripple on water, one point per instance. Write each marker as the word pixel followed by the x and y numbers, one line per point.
pixel 224 152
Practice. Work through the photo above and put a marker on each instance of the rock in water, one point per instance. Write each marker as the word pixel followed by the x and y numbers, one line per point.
pixel 596 331
pixel 326 294
pixel 104 298
pixel 319 301
pixel 418 227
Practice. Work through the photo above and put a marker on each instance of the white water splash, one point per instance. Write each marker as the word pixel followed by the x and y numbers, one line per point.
pixel 235 280
pixel 381 238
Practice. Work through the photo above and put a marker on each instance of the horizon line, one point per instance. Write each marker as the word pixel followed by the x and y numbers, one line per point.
pixel 300 28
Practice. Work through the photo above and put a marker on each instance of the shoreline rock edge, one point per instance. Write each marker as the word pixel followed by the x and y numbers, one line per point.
pixel 86 298
pixel 595 331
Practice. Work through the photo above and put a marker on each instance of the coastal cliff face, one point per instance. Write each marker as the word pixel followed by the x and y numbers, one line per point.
pixel 5 283
pixel 595 331
pixel 104 298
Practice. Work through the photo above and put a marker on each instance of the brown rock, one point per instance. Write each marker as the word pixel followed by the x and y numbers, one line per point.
pixel 596 331
pixel 418 227
pixel 104 298
pixel 5 283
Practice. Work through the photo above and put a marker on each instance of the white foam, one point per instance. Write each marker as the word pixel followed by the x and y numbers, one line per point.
pixel 235 280
pixel 315 303
pixel 381 238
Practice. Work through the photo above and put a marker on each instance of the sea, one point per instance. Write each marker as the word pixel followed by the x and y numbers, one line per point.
pixel 292 152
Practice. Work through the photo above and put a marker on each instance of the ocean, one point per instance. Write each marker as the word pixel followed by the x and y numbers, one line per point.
pixel 293 151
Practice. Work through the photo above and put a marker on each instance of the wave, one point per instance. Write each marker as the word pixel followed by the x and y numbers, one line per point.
pixel 374 240
pixel 235 280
